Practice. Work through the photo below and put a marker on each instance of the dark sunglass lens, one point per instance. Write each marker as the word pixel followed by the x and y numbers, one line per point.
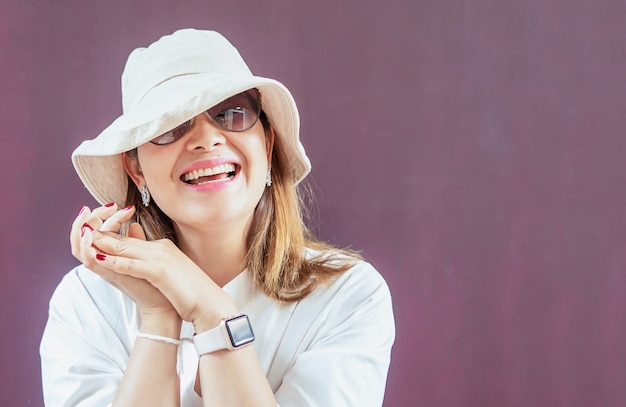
pixel 239 112
pixel 172 135
pixel 236 119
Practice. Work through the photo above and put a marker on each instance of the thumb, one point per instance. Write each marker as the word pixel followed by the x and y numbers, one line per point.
pixel 135 230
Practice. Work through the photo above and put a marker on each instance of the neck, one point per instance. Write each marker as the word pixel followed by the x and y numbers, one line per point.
pixel 220 251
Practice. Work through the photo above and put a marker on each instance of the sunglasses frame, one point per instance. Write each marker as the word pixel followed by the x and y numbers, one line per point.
pixel 256 96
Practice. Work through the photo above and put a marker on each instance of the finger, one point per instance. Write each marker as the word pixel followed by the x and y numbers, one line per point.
pixel 115 221
pixel 96 217
pixel 123 265
pixel 82 215
pixel 128 255
pixel 104 212
pixel 114 244
pixel 85 249
pixel 75 231
pixel 137 232
pixel 88 255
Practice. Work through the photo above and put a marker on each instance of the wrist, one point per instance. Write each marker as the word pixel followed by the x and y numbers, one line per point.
pixel 162 324
pixel 210 320
pixel 232 333
pixel 208 313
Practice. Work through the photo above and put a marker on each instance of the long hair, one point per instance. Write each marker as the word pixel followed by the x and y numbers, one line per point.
pixel 284 259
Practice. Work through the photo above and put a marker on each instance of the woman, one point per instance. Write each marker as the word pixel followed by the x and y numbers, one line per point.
pixel 199 283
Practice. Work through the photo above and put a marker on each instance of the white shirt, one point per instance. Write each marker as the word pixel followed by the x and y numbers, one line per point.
pixel 330 349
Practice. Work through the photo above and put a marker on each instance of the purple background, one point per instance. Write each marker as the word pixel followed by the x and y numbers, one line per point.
pixel 472 150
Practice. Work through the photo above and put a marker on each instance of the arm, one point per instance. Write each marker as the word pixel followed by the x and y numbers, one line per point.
pixel 85 350
pixel 83 355
pixel 227 378
pixel 150 377
pixel 233 377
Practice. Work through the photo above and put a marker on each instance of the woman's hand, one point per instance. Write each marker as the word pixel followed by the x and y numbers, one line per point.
pixel 151 303
pixel 195 297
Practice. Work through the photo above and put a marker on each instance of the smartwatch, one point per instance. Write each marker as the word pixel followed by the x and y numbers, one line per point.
pixel 232 333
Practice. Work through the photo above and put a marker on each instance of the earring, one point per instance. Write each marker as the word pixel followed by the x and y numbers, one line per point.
pixel 145 195
pixel 268 179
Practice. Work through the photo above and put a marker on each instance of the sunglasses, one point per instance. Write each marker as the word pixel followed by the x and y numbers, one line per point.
pixel 237 113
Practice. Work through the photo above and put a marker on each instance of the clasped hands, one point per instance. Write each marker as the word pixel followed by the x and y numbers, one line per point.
pixel 161 280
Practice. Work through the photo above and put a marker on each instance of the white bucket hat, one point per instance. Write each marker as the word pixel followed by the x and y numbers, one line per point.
pixel 169 82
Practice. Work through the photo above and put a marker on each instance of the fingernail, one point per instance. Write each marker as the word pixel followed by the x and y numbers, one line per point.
pixel 128 207
pixel 101 257
pixel 82 210
pixel 110 204
pixel 85 226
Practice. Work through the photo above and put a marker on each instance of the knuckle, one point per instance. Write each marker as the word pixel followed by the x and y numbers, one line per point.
pixel 131 265
pixel 121 246
pixel 124 265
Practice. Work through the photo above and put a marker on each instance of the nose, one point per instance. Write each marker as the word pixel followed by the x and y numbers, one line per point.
pixel 203 134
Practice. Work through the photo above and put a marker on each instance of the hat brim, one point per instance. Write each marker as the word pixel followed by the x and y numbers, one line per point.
pixel 98 162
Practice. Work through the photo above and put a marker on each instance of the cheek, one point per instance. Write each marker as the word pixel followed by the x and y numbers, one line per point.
pixel 254 151
pixel 154 160
pixel 259 144
pixel 264 148
pixel 261 163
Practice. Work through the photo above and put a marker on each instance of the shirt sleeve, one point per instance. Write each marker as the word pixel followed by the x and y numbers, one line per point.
pixel 83 353
pixel 346 363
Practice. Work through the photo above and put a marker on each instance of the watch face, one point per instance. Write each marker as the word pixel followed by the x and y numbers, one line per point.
pixel 240 331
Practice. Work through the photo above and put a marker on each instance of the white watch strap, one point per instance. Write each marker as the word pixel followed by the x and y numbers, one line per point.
pixel 211 340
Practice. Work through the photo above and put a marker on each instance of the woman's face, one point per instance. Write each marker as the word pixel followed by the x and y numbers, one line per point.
pixel 210 176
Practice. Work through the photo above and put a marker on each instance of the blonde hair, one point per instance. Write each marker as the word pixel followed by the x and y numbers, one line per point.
pixel 283 257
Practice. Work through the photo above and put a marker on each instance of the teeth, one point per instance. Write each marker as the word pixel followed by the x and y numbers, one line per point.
pixel 195 174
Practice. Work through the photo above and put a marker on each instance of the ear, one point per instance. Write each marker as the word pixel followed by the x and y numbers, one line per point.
pixel 133 169
pixel 269 143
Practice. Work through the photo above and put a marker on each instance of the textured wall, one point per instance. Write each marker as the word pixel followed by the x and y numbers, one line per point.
pixel 473 150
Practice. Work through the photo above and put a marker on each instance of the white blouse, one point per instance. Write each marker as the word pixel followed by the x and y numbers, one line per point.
pixel 330 349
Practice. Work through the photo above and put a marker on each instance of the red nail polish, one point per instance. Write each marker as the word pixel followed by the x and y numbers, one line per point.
pixel 82 229
pixel 82 210
pixel 101 257
pixel 110 204
pixel 128 207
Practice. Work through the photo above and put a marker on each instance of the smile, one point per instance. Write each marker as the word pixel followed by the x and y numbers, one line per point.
pixel 223 172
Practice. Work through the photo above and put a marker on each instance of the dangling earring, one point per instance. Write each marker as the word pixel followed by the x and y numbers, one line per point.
pixel 268 179
pixel 145 195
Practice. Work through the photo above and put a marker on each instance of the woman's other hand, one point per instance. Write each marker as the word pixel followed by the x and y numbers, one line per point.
pixel 151 303
pixel 123 260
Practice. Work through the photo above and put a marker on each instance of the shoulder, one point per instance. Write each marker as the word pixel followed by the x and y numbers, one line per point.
pixel 82 296
pixel 362 277
pixel 342 332
pixel 358 290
